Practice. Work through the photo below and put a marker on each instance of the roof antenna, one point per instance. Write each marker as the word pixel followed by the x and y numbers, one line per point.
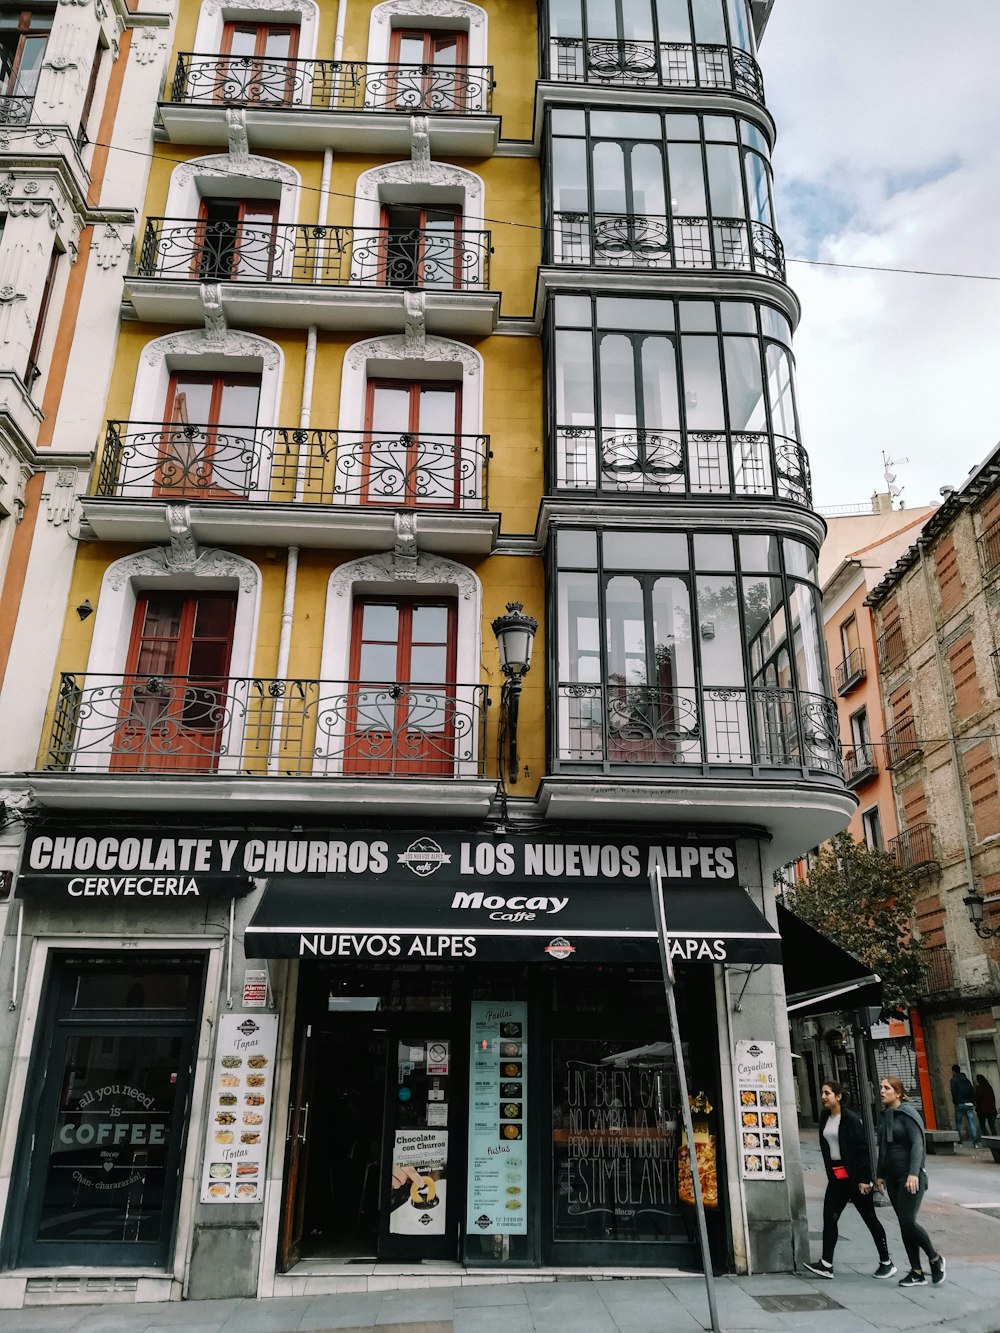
pixel 890 477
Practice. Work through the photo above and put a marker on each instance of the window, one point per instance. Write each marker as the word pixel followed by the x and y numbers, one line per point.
pixel 207 441
pixel 962 661
pixel 174 698
pixel 401 711
pixel 427 71
pixel 24 35
pixel 422 246
pixel 949 577
pixel 237 239
pixel 871 825
pixel 259 68
pixel 984 789
pixel 32 371
pixel 413 448
pixel 849 641
pixel 88 100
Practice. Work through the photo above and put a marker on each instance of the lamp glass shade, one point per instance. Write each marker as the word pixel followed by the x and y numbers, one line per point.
pixel 974 907
pixel 515 638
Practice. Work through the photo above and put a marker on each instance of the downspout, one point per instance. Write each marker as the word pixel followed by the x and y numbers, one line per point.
pixel 943 686
pixel 338 41
pixel 323 247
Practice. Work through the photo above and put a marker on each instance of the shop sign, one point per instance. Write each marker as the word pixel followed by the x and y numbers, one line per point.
pixel 419 1182
pixel 498 1099
pixel 98 1137
pixel 239 1111
pixel 758 1111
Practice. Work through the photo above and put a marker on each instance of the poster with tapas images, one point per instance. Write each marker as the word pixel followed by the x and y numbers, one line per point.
pixel 239 1109
pixel 498 1176
pixel 762 1149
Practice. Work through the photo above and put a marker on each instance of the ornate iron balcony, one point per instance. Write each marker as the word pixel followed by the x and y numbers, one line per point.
pixel 15 110
pixel 664 462
pixel 263 82
pixel 891 646
pixel 615 724
pixel 860 765
pixel 648 241
pixel 282 465
pixel 652 64
pixel 939 969
pixel 913 848
pixel 250 727
pixel 901 742
pixel 299 253
pixel 851 670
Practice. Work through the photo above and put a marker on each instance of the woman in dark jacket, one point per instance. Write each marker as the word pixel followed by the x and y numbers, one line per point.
pixel 850 1179
pixel 986 1104
pixel 902 1153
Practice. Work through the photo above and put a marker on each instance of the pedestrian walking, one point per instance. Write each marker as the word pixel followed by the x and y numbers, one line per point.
pixel 902 1154
pixel 963 1095
pixel 986 1104
pixel 849 1179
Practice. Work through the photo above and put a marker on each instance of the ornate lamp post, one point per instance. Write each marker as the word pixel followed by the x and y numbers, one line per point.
pixel 515 638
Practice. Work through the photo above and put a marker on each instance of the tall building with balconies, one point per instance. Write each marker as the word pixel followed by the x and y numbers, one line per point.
pixel 435 308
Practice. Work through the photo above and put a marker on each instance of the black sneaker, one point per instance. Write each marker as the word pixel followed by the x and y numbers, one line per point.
pixel 913 1280
pixel 819 1269
pixel 886 1268
pixel 937 1270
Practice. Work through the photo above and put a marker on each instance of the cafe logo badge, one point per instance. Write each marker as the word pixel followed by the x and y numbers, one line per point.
pixel 248 1028
pixel 483 1222
pixel 424 857
pixel 559 948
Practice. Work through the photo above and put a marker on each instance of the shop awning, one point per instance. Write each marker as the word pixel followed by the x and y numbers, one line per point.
pixel 820 976
pixel 321 917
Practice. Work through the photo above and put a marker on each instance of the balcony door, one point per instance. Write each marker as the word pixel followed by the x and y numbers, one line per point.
pixel 630 206
pixel 257 63
pixel 174 698
pixel 402 717
pixel 208 441
pixel 412 444
pixel 428 70
pixel 236 240
pixel 423 247
pixel 24 35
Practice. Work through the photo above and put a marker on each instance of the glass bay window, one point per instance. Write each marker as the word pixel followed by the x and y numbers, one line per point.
pixel 674 397
pixel 700 649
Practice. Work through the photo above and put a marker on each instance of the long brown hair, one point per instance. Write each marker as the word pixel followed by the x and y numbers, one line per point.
pixel 897 1088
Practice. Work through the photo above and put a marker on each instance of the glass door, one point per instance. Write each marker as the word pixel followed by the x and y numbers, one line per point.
pixel 208 446
pixel 413 444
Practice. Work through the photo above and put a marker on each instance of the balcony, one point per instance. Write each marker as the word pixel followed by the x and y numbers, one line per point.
pixel 901 743
pixel 851 671
pixel 342 277
pixel 913 849
pixel 642 241
pixel 324 488
pixel 939 969
pixel 661 462
pixel 15 110
pixel 860 765
pixel 256 739
pixel 989 550
pixel 644 64
pixel 347 105
pixel 891 647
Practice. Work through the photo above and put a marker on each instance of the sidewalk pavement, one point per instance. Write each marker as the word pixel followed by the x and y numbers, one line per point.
pixel 961 1212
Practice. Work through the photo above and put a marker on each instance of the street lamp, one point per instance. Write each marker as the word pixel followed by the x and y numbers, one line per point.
pixel 974 905
pixel 515 638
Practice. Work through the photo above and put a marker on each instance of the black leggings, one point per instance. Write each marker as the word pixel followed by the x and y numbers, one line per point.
pixel 906 1206
pixel 839 1193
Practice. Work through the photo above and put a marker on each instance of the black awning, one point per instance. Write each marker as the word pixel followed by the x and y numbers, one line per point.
pixel 319 917
pixel 820 976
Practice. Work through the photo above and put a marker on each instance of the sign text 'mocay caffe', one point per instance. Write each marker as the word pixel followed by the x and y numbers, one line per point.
pixel 163 865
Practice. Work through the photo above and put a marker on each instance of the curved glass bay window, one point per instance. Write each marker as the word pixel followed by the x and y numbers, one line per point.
pixel 673 43
pixel 643 189
pixel 672 397
pixel 680 649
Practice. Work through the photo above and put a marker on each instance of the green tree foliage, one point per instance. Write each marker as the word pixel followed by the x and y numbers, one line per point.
pixel 862 901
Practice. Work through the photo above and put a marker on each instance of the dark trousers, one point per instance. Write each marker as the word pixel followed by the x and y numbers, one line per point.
pixel 839 1193
pixel 906 1206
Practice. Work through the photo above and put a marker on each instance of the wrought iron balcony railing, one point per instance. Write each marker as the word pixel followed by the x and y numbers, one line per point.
pixel 263 252
pixel 851 670
pixel 651 64
pixel 891 646
pixel 279 465
pixel 648 241
pixel 913 848
pixel 15 110
pixel 245 726
pixel 860 765
pixel 264 82
pixel 615 724
pixel 989 549
pixel 901 743
pixel 939 969
pixel 665 462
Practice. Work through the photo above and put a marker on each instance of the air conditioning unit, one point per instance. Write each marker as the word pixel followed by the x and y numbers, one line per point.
pixel 810 1029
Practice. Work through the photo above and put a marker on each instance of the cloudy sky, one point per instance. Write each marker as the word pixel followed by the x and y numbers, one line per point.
pixel 888 154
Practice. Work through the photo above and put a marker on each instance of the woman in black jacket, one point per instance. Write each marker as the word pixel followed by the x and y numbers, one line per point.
pixel 902 1152
pixel 850 1179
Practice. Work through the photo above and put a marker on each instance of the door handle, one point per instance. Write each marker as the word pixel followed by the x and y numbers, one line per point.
pixel 305 1123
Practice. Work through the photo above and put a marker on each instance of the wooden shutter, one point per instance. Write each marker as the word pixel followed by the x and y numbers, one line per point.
pixel 984 789
pixel 949 581
pixel 962 661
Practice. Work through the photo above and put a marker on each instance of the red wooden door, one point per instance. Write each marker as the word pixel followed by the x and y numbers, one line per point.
pixel 428 70
pixel 423 247
pixel 236 240
pixel 413 453
pixel 260 69
pixel 174 702
pixel 208 447
pixel 401 711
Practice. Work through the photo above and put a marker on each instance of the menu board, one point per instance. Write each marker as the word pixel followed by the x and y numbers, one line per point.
pixel 762 1149
pixel 498 1104
pixel 239 1109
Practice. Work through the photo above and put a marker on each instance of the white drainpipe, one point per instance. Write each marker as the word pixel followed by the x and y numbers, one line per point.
pixel 338 41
